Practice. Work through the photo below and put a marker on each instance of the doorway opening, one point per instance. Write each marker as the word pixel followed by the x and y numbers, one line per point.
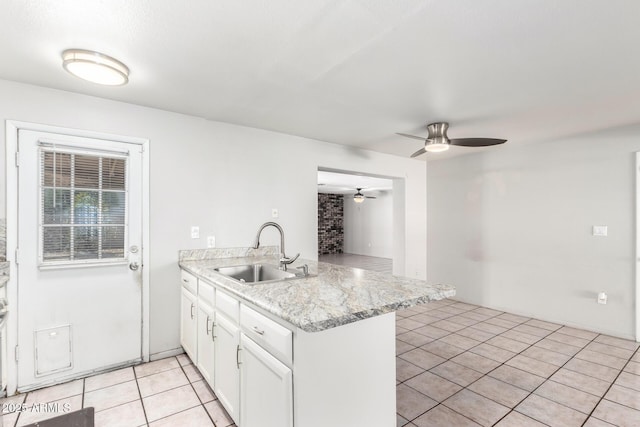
pixel 356 220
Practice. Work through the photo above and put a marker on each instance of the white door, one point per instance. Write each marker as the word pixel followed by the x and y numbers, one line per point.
pixel 266 388
pixel 79 256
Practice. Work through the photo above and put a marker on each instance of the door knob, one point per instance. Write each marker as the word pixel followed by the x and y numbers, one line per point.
pixel 134 266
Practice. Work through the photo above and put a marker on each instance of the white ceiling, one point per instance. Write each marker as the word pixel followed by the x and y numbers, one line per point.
pixel 342 183
pixel 351 72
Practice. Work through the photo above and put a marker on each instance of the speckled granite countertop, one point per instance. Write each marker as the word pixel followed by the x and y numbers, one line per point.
pixel 4 273
pixel 331 296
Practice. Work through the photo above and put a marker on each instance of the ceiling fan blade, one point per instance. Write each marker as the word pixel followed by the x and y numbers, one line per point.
pixel 421 138
pixel 370 197
pixel 476 142
pixel 419 152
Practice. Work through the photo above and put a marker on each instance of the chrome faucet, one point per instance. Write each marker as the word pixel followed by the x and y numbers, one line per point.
pixel 284 260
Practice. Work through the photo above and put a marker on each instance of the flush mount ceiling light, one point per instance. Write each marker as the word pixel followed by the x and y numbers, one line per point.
pixel 95 67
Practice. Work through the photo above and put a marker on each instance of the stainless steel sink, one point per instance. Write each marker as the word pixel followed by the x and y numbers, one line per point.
pixel 255 273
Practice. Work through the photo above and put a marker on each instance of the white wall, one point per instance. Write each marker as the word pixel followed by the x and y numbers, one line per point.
pixel 368 226
pixel 222 177
pixel 511 228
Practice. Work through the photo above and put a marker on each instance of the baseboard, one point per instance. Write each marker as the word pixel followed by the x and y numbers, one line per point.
pixel 165 354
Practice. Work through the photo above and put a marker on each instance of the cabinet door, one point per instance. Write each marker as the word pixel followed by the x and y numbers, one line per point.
pixel 205 341
pixel 188 324
pixel 266 392
pixel 226 368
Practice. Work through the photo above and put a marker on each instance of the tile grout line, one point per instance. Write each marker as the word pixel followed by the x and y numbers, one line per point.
pixel 196 393
pixel 546 379
pixel 503 363
pixel 611 385
pixel 140 399
pixel 482 342
pixel 483 374
pixel 449 359
pixel 84 386
pixel 181 367
pixel 530 345
pixel 20 412
pixel 446 360
pixel 500 365
pixel 144 410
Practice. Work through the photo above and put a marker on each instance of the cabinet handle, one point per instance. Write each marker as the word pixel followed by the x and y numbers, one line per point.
pixel 213 329
pixel 258 331
pixel 192 305
pixel 185 280
pixel 208 330
pixel 238 355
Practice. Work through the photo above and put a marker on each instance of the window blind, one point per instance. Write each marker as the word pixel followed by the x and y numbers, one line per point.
pixel 83 206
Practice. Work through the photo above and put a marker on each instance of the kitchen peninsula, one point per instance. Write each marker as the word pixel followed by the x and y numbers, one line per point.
pixel 308 351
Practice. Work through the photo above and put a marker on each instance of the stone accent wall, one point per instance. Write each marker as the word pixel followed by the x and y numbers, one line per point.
pixel 330 223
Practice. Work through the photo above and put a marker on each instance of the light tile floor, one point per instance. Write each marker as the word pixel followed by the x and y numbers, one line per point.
pixel 167 392
pixel 457 365
pixel 463 365
pixel 382 265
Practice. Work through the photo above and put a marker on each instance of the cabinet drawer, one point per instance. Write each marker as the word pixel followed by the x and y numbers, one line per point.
pixel 275 338
pixel 189 281
pixel 205 293
pixel 227 305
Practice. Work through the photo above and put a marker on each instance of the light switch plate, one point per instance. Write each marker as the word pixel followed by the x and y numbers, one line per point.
pixel 211 241
pixel 600 230
pixel 274 213
pixel 195 232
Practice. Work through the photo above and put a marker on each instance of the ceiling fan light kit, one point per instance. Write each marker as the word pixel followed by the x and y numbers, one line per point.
pixel 436 145
pixel 437 140
pixel 359 197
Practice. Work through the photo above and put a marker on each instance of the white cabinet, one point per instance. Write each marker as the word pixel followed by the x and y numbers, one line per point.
pixel 260 396
pixel 252 375
pixel 227 367
pixel 188 323
pixel 259 362
pixel 266 388
pixel 271 336
pixel 206 319
pixel 206 342
pixel 188 314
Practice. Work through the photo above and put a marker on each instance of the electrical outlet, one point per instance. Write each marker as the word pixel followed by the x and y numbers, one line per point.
pixel 274 213
pixel 602 298
pixel 600 230
pixel 211 241
pixel 195 232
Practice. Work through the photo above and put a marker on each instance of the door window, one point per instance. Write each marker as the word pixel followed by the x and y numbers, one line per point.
pixel 83 207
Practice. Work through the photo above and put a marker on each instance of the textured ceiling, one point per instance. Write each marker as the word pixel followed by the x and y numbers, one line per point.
pixel 350 72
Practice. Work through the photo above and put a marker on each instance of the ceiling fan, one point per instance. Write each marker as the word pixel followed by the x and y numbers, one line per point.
pixel 359 197
pixel 437 140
